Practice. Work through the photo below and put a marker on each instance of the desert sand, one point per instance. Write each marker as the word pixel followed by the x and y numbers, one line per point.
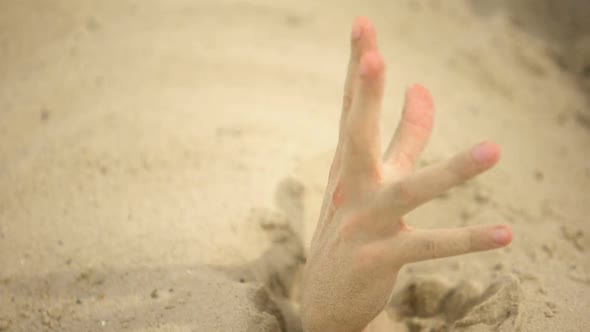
pixel 162 162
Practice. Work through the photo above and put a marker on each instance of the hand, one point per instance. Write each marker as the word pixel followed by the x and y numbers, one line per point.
pixel 361 241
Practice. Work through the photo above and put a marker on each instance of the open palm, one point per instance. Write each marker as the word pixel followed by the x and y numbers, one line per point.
pixel 361 241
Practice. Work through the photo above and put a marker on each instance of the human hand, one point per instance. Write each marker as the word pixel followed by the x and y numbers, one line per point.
pixel 361 241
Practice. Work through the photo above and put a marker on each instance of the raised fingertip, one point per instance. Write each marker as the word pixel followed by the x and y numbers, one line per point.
pixel 372 65
pixel 363 37
pixel 486 153
pixel 501 235
pixel 419 107
pixel 360 26
pixel 419 93
pixel 418 88
pixel 357 27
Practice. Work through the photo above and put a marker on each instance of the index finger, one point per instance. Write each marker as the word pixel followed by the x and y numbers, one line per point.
pixel 423 244
pixel 422 186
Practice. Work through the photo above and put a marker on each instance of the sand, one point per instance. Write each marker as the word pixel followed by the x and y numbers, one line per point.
pixel 162 162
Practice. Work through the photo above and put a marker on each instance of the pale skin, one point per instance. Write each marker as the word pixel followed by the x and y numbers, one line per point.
pixel 361 241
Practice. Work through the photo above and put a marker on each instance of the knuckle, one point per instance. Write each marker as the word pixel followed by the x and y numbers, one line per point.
pixel 459 174
pixel 419 125
pixel 465 167
pixel 349 226
pixel 338 196
pixel 471 166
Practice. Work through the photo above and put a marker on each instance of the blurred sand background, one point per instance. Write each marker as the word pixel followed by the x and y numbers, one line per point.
pixel 162 162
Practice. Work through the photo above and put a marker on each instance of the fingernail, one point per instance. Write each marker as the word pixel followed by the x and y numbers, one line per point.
pixel 483 153
pixel 500 236
pixel 356 32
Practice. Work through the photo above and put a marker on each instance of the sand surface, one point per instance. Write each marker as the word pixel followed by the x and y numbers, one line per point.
pixel 162 162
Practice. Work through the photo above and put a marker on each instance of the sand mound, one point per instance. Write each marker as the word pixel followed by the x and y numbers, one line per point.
pixel 431 304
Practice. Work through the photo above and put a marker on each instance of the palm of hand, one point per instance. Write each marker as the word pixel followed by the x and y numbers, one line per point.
pixel 361 241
